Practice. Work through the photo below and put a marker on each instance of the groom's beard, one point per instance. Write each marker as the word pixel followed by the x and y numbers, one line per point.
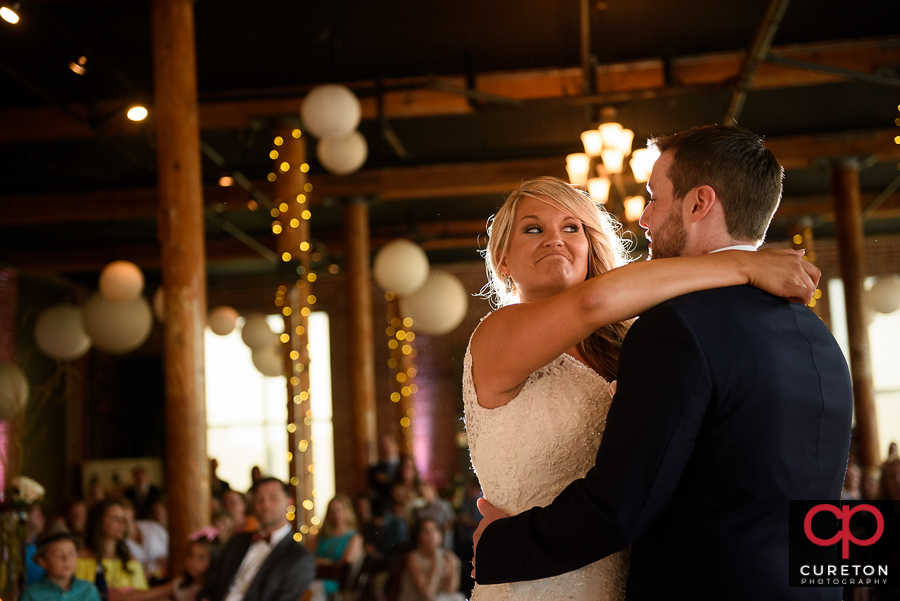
pixel 671 238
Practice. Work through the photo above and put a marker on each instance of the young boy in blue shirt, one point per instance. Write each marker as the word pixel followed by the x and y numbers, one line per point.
pixel 57 552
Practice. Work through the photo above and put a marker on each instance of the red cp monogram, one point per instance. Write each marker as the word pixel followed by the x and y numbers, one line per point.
pixel 844 513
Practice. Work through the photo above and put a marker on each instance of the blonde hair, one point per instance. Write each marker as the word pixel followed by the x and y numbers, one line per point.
pixel 607 251
pixel 327 528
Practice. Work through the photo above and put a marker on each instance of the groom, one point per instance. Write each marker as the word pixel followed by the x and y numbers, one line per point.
pixel 730 403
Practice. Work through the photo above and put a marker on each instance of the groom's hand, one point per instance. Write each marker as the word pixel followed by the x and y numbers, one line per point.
pixel 490 514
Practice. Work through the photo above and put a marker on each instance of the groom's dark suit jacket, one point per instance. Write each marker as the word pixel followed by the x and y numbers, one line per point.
pixel 730 402
pixel 284 575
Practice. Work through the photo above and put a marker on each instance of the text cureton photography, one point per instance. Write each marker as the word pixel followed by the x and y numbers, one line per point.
pixel 846 543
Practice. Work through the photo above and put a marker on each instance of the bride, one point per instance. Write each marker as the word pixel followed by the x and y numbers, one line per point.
pixel 537 372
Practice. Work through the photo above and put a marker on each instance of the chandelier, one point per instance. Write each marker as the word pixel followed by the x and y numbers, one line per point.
pixel 605 149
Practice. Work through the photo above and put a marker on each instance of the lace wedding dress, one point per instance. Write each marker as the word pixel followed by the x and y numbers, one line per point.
pixel 526 452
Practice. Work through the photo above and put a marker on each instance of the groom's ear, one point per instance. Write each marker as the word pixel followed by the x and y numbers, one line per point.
pixel 700 202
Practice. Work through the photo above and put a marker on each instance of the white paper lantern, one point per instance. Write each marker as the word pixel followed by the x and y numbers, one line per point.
pixel 343 155
pixel 159 304
pixel 401 267
pixel 59 333
pixel 256 332
pixel 222 320
pixel 438 306
pixel 117 328
pixel 13 390
pixel 121 281
pixel 267 361
pixel 884 296
pixel 330 111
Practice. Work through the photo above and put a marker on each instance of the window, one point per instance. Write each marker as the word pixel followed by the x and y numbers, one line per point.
pixel 246 411
pixel 884 349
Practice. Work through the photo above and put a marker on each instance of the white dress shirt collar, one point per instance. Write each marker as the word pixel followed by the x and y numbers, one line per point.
pixel 747 247
pixel 279 534
pixel 254 558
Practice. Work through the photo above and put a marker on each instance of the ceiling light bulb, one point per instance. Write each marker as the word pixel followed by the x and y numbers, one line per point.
pixel 610 133
pixel 137 113
pixel 634 207
pixel 578 166
pixel 623 144
pixel 9 14
pixel 598 188
pixel 593 142
pixel 642 161
pixel 226 180
pixel 613 160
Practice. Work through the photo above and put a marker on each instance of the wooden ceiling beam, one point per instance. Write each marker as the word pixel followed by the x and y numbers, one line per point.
pixel 432 236
pixel 404 183
pixel 417 97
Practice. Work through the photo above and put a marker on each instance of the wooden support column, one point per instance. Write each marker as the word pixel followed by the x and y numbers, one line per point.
pixel 849 230
pixel 183 269
pixel 362 349
pixel 292 198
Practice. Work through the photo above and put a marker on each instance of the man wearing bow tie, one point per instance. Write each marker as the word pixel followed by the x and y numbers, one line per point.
pixel 268 565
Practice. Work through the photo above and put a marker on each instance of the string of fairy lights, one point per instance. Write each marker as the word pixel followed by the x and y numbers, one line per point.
pixel 402 352
pixel 802 237
pixel 288 217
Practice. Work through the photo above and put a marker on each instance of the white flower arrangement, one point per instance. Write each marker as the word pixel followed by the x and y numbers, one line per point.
pixel 26 490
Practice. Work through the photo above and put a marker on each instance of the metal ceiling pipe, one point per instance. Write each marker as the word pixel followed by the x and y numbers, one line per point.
pixel 758 51
pixel 586 62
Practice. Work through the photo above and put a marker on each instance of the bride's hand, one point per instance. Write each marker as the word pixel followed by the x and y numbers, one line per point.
pixel 783 273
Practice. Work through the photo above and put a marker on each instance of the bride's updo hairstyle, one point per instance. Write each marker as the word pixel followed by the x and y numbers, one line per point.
pixel 606 251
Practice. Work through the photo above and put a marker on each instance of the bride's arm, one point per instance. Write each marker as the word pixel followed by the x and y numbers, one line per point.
pixel 515 341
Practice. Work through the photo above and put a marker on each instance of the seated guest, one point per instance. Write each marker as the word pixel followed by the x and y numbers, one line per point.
pixel 141 493
pixel 405 491
pixel 224 525
pixel 217 485
pixel 57 554
pixel 268 565
pixel 432 572
pixel 852 480
pixel 383 474
pixel 890 480
pixel 74 517
pixel 438 510
pixel 148 543
pixel 106 553
pixel 365 521
pixel 469 516
pixel 390 532
pixel 255 475
pixel 337 541
pixel 159 513
pixel 34 525
pixel 234 503
pixel 203 550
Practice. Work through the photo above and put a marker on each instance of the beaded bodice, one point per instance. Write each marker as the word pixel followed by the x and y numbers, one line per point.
pixel 527 451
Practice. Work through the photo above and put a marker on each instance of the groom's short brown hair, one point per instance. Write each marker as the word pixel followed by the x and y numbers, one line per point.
pixel 736 164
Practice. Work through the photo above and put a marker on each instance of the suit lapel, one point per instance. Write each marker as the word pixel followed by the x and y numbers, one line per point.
pixel 233 560
pixel 268 568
